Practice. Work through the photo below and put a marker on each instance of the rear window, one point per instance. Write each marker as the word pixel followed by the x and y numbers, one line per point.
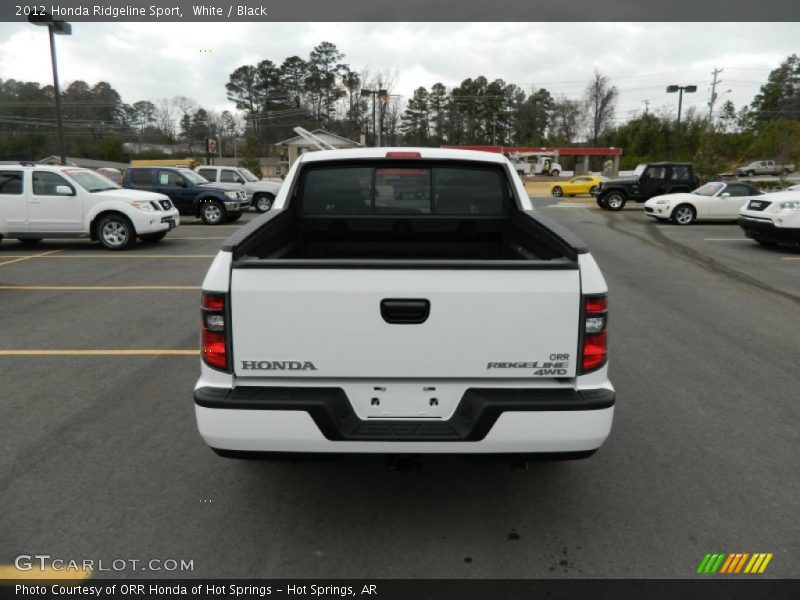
pixel 210 174
pixel 11 182
pixel 404 190
pixel 140 177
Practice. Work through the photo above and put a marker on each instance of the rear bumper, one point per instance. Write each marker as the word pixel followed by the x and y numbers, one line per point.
pixel 764 229
pixel 321 420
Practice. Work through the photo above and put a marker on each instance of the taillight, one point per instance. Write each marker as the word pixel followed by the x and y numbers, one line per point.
pixel 594 352
pixel 213 339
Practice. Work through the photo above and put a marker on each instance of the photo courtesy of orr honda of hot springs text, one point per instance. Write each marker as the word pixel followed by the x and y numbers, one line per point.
pixel 404 301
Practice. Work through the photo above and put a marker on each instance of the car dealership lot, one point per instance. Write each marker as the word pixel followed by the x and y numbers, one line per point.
pixel 101 459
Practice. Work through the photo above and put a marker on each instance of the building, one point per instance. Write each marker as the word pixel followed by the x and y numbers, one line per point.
pixel 579 156
pixel 86 163
pixel 291 149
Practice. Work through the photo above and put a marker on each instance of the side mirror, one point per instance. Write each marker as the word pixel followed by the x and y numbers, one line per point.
pixel 725 195
pixel 64 190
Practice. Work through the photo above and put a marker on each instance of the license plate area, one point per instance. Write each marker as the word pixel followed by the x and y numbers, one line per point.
pixel 393 400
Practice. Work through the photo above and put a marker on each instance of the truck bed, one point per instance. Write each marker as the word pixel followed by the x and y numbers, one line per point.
pixel 283 235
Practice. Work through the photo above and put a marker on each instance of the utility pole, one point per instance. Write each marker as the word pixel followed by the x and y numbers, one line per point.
pixel 646 106
pixel 711 102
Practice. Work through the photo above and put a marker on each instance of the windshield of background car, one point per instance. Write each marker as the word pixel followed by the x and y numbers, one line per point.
pixel 91 181
pixel 193 177
pixel 248 175
pixel 709 189
pixel 400 190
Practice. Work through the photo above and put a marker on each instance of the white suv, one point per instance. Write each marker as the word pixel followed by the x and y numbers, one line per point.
pixel 260 193
pixel 44 201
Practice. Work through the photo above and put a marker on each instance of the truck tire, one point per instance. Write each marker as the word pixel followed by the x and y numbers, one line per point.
pixel 263 202
pixel 614 201
pixel 749 173
pixel 115 232
pixel 151 238
pixel 683 214
pixel 212 212
pixel 786 172
pixel 557 191
pixel 554 173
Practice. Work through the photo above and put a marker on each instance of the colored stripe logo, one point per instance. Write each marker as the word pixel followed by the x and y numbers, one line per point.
pixel 734 563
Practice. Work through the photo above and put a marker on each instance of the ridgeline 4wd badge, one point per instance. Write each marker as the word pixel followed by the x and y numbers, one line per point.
pixel 558 365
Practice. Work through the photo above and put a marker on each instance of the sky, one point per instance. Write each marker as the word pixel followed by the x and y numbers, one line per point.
pixel 148 61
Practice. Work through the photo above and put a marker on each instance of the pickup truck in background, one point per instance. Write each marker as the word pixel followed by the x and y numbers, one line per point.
pixel 764 167
pixel 404 301
pixel 260 193
pixel 192 194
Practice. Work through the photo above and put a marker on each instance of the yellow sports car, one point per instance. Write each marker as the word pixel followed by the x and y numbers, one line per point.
pixel 577 186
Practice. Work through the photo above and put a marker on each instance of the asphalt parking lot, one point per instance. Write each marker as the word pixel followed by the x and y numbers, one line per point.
pixel 101 459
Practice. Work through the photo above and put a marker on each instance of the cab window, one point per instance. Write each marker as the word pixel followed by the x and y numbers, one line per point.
pixel 228 176
pixel 680 172
pixel 45 183
pixel 11 182
pixel 210 174
pixel 170 178
pixel 655 172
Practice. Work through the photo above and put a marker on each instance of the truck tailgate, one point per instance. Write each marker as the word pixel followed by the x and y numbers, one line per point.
pixel 324 323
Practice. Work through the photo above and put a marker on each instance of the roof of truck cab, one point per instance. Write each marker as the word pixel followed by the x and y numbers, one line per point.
pixel 432 153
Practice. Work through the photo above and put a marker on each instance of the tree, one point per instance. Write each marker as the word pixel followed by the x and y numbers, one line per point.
pixel 250 155
pixel 415 119
pixel 600 101
pixel 293 73
pixel 324 69
pixel 437 106
pixel 244 90
pixel 779 98
pixel 533 118
pixel 565 121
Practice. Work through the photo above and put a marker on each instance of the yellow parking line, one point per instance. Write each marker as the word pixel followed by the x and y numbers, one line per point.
pixel 222 237
pixel 103 352
pixel 123 256
pixel 41 254
pixel 95 288
pixel 791 258
pixel 37 573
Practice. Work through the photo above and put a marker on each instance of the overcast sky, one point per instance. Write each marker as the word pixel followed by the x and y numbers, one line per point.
pixel 147 61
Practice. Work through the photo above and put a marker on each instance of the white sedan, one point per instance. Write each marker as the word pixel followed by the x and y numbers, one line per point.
pixel 715 201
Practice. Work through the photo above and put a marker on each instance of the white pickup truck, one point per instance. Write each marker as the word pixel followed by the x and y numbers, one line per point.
pixel 404 301
pixel 43 201
pixel 260 193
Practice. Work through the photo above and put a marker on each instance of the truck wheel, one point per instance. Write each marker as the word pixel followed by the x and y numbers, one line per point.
pixel 115 232
pixel 750 173
pixel 615 201
pixel 554 173
pixel 683 214
pixel 786 172
pixel 212 212
pixel 557 191
pixel 263 202
pixel 153 237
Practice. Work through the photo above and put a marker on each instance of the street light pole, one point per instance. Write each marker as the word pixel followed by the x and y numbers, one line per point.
pixel 671 89
pixel 55 28
pixel 376 137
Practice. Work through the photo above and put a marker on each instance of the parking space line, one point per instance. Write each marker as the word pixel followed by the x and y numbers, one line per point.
pixel 23 258
pixel 790 258
pixel 728 240
pixel 41 256
pixel 222 237
pixel 46 573
pixel 96 288
pixel 101 352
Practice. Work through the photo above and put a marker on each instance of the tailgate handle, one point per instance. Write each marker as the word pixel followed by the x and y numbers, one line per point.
pixel 400 311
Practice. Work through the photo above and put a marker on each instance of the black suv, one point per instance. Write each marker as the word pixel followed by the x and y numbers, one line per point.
pixel 191 193
pixel 652 179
